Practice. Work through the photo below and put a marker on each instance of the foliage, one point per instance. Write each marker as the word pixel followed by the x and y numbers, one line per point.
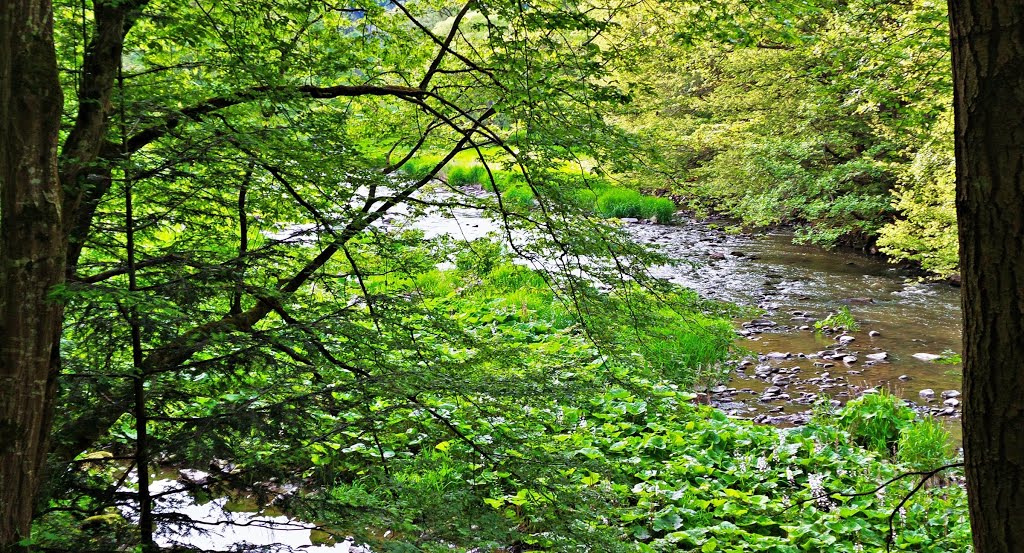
pixel 826 122
pixel 621 203
pixel 840 319
pixel 876 421
pixel 927 233
pixel 462 176
pixel 924 445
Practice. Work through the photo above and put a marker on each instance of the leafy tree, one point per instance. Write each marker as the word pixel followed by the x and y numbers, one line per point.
pixel 207 209
pixel 813 121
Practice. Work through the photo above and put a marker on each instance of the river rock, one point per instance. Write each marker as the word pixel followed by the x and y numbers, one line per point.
pixel 926 356
pixel 194 477
pixel 805 327
pixel 850 359
pixel 777 355
pixel 904 377
pixel 950 394
pixel 947 412
pixel 857 301
pixel 823 365
pixel 762 322
pixel 951 402
pixel 716 255
pixel 780 380
pixel 844 339
pixel 882 356
pixel 629 220
pixel 719 389
pixel 874 333
pixel 927 394
pixel 764 371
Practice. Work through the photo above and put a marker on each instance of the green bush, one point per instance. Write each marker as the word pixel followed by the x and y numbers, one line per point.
pixel 418 168
pixel 924 445
pixel 875 421
pixel 662 209
pixel 841 319
pixel 463 176
pixel 927 231
pixel 619 202
pixel 622 202
pixel 519 196
pixel 480 256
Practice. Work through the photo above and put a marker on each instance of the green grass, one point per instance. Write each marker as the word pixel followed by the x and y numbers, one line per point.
pixel 622 202
pixel 467 175
pixel 924 445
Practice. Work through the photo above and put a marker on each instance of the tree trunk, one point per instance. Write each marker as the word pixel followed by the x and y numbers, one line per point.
pixel 988 69
pixel 32 255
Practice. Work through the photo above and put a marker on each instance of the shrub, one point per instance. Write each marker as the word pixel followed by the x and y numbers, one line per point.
pixel 875 420
pixel 840 319
pixel 418 168
pixel 480 256
pixel 924 445
pixel 519 196
pixel 619 202
pixel 662 209
pixel 462 176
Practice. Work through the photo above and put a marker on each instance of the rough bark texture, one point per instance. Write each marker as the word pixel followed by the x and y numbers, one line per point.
pixel 32 254
pixel 988 67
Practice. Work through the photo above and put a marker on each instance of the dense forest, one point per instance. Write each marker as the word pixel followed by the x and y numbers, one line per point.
pixel 370 271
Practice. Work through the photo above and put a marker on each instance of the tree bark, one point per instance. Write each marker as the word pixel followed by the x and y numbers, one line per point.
pixel 32 254
pixel 988 67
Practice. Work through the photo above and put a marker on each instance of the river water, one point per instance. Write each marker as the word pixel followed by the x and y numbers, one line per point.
pixel 798 284
pixel 794 284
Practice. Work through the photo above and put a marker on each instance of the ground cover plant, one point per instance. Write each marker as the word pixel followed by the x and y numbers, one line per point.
pixel 607 452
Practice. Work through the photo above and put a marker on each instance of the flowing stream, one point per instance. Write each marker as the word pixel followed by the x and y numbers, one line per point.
pixel 799 284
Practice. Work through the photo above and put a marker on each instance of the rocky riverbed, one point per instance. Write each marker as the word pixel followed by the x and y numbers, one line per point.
pixel 909 329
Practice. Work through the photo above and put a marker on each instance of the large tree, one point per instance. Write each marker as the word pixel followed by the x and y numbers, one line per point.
pixel 988 67
pixel 203 204
pixel 31 254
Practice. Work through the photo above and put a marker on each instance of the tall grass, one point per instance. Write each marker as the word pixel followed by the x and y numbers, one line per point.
pixel 622 202
pixel 467 175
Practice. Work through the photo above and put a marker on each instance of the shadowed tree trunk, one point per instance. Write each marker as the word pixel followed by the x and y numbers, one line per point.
pixel 32 255
pixel 988 68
